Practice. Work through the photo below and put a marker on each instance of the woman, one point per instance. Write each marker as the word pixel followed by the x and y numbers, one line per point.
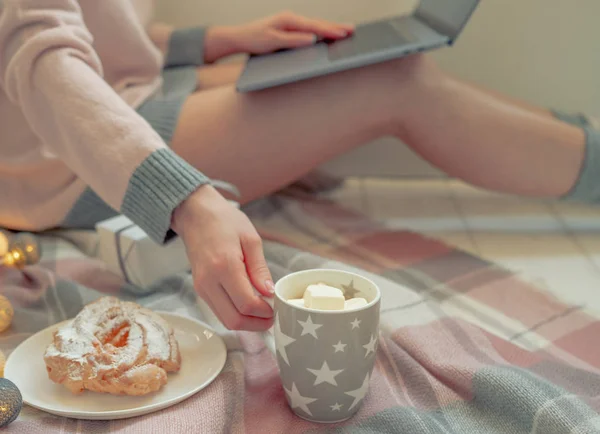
pixel 82 104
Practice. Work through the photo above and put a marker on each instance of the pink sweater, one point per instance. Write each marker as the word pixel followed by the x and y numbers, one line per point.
pixel 71 75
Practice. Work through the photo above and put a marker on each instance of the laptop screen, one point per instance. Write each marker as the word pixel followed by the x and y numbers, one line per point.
pixel 447 17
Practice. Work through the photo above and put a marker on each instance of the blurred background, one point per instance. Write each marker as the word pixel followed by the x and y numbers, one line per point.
pixel 543 51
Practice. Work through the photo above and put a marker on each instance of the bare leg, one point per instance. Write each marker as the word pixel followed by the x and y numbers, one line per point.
pixel 223 74
pixel 263 141
pixel 220 74
pixel 496 143
pixel 512 101
pixel 226 74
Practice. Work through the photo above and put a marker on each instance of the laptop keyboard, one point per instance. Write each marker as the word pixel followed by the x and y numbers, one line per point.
pixel 371 37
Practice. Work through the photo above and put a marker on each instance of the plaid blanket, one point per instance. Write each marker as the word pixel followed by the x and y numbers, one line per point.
pixel 465 346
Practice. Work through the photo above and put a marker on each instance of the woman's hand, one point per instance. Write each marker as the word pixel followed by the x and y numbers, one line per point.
pixel 227 260
pixel 284 30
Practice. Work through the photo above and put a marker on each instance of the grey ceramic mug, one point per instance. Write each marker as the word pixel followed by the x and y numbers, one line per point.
pixel 325 358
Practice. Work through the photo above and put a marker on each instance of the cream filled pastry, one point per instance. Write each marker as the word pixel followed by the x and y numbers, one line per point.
pixel 113 347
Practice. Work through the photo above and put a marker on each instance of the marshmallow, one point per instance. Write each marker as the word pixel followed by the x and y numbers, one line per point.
pixel 355 303
pixel 296 302
pixel 324 297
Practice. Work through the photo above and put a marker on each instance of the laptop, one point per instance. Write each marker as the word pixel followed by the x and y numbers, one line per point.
pixel 433 24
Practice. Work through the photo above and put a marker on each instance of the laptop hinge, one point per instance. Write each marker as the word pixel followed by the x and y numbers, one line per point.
pixel 429 13
pixel 432 22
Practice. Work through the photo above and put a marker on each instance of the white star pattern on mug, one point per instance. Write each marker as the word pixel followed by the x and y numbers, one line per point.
pixel 309 328
pixel 299 401
pixel 359 393
pixel 325 359
pixel 325 375
pixel 282 340
pixel 339 347
pixel 370 347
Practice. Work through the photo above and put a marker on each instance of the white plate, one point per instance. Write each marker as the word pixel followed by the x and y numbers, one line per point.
pixel 203 356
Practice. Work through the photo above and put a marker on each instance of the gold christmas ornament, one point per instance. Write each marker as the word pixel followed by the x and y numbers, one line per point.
pixel 6 313
pixel 2 363
pixel 23 249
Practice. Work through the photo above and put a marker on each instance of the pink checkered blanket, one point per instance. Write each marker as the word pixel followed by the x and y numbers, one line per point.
pixel 466 346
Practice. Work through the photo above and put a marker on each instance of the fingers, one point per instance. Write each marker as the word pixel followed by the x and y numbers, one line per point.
pixel 283 39
pixel 227 289
pixel 256 265
pixel 242 294
pixel 217 299
pixel 323 29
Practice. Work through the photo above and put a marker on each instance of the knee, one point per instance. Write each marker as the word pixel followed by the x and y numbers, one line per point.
pixel 417 71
